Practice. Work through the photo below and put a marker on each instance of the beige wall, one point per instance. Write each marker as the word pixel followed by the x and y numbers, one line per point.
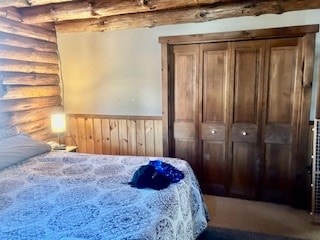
pixel 118 72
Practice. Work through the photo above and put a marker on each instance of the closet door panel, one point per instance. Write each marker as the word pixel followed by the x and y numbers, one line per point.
pixel 213 116
pixel 186 60
pixel 185 93
pixel 186 149
pixel 283 93
pixel 214 168
pixel 281 82
pixel 278 173
pixel 244 169
pixel 214 83
pixel 247 72
pixel 246 82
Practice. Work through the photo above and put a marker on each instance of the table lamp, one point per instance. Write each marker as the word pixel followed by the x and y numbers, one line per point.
pixel 58 125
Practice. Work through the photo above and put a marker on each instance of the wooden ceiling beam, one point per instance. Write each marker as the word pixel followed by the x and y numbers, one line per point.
pixel 28 3
pixel 102 8
pixel 186 15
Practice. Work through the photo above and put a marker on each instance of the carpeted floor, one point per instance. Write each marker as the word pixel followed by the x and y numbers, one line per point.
pixel 261 217
pixel 215 233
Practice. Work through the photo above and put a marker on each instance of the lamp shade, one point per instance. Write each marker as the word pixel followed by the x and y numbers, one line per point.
pixel 58 123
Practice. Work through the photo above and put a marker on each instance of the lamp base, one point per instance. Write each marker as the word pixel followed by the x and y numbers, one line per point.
pixel 60 147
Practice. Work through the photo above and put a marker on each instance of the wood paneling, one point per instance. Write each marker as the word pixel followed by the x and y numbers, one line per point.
pixel 118 135
pixel 29 75
pixel 97 136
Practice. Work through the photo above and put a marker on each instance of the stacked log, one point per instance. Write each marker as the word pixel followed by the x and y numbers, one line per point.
pixel 29 75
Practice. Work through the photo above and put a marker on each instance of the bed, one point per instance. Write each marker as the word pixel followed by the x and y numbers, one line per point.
pixel 62 195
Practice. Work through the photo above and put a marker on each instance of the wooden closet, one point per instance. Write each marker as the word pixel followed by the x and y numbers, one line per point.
pixel 236 107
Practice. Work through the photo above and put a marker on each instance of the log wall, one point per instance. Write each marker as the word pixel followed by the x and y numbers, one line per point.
pixel 116 135
pixel 29 75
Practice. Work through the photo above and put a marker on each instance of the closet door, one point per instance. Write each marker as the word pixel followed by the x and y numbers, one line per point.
pixel 280 122
pixel 247 66
pixel 213 87
pixel 185 107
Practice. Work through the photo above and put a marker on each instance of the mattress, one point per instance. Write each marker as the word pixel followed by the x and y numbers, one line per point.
pixel 61 195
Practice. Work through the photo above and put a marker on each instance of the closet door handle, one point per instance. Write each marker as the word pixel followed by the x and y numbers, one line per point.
pixel 213 131
pixel 244 133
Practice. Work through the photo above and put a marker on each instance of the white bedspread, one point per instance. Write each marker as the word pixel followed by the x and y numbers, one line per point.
pixel 80 196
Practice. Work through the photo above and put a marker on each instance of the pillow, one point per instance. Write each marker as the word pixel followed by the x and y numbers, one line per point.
pixel 8 132
pixel 18 148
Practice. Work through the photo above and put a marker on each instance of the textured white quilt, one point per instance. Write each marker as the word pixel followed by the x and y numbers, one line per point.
pixel 80 196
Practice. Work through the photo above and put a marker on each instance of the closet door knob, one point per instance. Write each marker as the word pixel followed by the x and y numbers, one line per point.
pixel 213 131
pixel 244 133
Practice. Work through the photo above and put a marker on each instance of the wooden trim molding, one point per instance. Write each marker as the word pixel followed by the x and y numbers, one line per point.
pixel 115 116
pixel 295 31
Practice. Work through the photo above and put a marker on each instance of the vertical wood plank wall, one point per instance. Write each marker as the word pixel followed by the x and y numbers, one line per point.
pixel 116 135
pixel 29 75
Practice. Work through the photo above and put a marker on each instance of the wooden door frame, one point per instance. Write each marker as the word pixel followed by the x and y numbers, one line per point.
pixel 294 31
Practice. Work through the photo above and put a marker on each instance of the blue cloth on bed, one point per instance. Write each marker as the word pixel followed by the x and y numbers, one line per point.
pixel 146 176
pixel 156 175
pixel 167 170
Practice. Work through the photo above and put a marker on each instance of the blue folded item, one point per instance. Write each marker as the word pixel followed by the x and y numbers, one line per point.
pixel 146 176
pixel 156 175
pixel 168 170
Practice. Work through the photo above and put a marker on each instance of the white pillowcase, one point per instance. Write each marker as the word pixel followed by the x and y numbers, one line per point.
pixel 18 148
